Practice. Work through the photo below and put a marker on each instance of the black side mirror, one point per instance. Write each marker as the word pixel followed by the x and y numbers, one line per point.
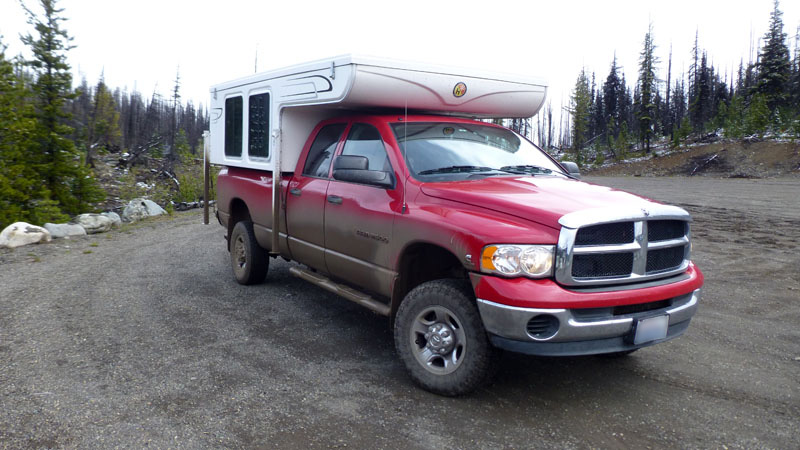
pixel 572 169
pixel 351 162
pixel 354 169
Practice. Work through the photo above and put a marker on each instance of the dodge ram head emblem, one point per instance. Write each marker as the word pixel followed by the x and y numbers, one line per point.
pixel 460 89
pixel 645 212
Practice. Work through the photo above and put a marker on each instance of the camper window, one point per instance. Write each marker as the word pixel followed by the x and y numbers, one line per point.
pixel 258 126
pixel 233 127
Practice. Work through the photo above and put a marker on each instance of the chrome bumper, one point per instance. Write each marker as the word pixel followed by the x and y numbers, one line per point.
pixel 576 325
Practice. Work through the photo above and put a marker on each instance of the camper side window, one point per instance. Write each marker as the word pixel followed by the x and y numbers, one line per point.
pixel 319 157
pixel 258 126
pixel 233 126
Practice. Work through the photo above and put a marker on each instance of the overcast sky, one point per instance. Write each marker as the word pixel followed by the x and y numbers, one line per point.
pixel 144 43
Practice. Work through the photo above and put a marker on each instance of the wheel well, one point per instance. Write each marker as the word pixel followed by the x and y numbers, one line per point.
pixel 424 262
pixel 239 212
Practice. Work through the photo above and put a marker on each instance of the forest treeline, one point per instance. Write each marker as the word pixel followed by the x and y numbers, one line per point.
pixel 52 135
pixel 610 118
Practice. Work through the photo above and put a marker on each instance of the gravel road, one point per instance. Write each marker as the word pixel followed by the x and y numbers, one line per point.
pixel 140 337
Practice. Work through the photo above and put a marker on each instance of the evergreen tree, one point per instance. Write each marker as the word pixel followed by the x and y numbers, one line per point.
pixel 612 91
pixel 580 111
pixel 103 132
pixel 756 119
pixel 54 155
pixel 666 114
pixel 647 91
pixel 774 68
pixel 23 193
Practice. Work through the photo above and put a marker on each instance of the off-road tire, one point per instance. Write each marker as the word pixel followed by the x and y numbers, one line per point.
pixel 454 299
pixel 248 260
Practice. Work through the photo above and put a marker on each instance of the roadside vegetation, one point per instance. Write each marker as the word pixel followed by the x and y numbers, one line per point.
pixel 614 119
pixel 66 151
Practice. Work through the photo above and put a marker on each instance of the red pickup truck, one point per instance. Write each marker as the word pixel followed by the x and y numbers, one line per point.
pixel 470 239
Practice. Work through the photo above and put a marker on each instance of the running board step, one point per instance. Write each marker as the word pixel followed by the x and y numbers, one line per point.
pixel 342 290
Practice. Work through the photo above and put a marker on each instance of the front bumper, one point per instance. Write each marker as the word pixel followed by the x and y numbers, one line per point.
pixel 580 331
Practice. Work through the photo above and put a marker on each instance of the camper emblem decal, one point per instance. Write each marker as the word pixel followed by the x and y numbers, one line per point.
pixel 460 89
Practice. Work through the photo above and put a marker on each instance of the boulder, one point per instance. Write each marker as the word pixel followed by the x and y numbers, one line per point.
pixel 93 223
pixel 139 208
pixel 21 233
pixel 116 220
pixel 64 230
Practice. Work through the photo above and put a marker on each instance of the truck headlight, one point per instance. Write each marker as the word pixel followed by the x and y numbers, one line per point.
pixel 535 261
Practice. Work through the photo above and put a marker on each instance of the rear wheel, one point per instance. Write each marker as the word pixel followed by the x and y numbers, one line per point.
pixel 440 338
pixel 248 260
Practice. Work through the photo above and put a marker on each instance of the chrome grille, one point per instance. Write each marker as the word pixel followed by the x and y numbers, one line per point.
pixel 622 245
pixel 663 230
pixel 602 265
pixel 607 233
pixel 664 259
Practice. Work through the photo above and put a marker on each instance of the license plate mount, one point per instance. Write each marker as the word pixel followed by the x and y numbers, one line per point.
pixel 650 329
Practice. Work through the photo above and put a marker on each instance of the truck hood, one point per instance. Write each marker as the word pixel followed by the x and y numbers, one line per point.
pixel 539 199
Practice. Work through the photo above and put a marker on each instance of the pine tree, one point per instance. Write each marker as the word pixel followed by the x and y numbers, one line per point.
pixel 611 96
pixel 55 156
pixel 23 194
pixel 774 67
pixel 647 91
pixel 580 111
pixel 103 132
pixel 666 115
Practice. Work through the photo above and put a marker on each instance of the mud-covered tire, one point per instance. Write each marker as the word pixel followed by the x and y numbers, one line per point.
pixel 248 260
pixel 439 336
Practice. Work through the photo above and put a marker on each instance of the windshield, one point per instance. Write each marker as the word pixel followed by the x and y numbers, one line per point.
pixel 441 151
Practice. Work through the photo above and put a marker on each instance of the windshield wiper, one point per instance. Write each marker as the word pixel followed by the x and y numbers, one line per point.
pixel 527 169
pixel 457 169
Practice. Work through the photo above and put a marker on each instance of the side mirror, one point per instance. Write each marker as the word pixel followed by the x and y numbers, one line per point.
pixel 572 169
pixel 351 162
pixel 354 169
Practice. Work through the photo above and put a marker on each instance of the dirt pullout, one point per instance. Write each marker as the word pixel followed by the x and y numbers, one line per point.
pixel 141 338
pixel 732 159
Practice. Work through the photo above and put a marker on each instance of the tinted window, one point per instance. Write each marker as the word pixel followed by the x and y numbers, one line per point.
pixel 319 155
pixel 365 140
pixel 258 126
pixel 233 126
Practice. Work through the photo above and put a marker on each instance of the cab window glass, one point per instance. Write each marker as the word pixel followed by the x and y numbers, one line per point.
pixel 365 140
pixel 320 154
pixel 233 126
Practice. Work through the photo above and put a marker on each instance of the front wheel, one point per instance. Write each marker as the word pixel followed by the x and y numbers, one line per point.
pixel 440 338
pixel 248 260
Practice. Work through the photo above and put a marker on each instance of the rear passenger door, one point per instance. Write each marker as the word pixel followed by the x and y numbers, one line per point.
pixel 305 202
pixel 359 218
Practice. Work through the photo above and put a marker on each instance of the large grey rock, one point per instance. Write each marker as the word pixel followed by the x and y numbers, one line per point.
pixel 64 230
pixel 140 208
pixel 21 233
pixel 93 223
pixel 116 220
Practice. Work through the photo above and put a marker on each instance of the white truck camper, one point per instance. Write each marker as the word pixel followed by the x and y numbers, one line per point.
pixel 262 121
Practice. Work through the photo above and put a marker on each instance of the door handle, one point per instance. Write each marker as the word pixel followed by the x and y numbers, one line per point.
pixel 295 191
pixel 335 199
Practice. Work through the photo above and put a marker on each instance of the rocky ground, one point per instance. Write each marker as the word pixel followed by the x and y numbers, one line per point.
pixel 727 159
pixel 140 337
